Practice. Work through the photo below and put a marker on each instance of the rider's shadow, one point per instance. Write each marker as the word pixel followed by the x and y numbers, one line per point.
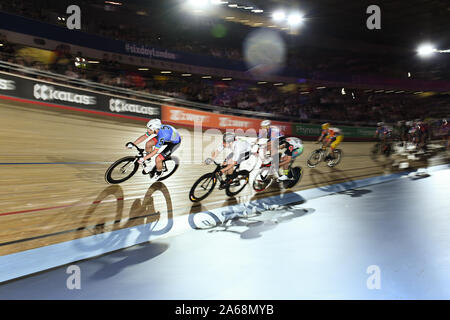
pixel 338 179
pixel 265 221
pixel 147 218
pixel 355 193
pixel 112 264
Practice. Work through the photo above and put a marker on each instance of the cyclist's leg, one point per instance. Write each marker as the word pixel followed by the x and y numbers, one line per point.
pixel 166 153
pixel 150 144
pixel 336 142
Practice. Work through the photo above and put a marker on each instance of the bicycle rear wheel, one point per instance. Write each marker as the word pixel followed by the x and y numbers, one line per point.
pixel 314 158
pixel 337 153
pixel 295 176
pixel 169 167
pixel 121 170
pixel 262 181
pixel 203 187
pixel 238 183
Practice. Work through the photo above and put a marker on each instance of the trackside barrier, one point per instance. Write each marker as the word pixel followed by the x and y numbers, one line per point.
pixel 49 93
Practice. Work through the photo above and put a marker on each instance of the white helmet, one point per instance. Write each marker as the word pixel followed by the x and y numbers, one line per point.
pixel 229 137
pixel 154 124
pixel 266 123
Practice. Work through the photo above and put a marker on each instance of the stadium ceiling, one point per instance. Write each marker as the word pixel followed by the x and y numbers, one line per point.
pixel 403 23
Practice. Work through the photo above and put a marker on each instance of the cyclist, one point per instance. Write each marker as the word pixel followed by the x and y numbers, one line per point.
pixel 240 152
pixel 445 132
pixel 294 148
pixel 272 134
pixel 383 132
pixel 324 133
pixel 332 138
pixel 165 135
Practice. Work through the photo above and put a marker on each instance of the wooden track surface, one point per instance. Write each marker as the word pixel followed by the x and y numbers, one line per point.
pixel 58 193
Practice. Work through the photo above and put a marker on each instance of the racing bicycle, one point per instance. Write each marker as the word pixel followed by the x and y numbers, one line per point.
pixel 319 155
pixel 203 187
pixel 124 168
pixel 268 174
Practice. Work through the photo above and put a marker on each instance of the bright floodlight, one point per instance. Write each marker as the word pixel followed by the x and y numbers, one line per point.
pixel 426 50
pixel 198 3
pixel 295 19
pixel 217 2
pixel 278 15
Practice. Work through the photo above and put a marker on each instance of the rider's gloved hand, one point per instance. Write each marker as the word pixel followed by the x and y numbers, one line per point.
pixel 208 161
pixel 129 145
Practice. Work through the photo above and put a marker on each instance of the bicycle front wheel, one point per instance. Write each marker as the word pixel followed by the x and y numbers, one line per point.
pixel 121 170
pixel 314 158
pixel 203 187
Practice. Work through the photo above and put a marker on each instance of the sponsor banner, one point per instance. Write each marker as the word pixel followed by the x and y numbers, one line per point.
pixel 125 106
pixel 149 52
pixel 36 90
pixel 314 130
pixel 7 85
pixel 190 118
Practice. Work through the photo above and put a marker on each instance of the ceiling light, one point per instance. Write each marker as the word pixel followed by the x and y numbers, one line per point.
pixel 278 15
pixel 295 19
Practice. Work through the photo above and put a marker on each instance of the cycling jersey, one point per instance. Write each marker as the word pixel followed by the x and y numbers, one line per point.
pixel 385 131
pixel 271 134
pixel 333 132
pixel 240 150
pixel 294 147
pixel 167 134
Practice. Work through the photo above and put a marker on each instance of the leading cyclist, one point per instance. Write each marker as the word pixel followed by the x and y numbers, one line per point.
pixel 166 135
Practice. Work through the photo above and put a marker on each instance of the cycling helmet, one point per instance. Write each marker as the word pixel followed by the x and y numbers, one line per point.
pixel 154 124
pixel 380 124
pixel 325 126
pixel 331 132
pixel 266 123
pixel 229 137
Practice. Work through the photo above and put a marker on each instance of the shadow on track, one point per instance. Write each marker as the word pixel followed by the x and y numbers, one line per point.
pixel 153 221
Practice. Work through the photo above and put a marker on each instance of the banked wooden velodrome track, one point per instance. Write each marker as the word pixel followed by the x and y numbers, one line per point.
pixel 52 187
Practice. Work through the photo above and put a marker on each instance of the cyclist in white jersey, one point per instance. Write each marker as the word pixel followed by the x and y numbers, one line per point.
pixel 240 152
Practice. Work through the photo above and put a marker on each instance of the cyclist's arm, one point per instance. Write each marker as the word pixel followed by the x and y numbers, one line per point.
pixel 158 145
pixel 228 167
pixel 321 137
pixel 140 139
pixel 214 154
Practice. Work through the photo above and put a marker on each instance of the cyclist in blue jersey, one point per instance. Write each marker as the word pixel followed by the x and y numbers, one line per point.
pixel 166 135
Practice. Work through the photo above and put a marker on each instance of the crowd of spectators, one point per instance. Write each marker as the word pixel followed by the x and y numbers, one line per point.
pixel 177 37
pixel 302 103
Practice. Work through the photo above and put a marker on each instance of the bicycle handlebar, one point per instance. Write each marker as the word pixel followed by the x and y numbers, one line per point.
pixel 137 148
